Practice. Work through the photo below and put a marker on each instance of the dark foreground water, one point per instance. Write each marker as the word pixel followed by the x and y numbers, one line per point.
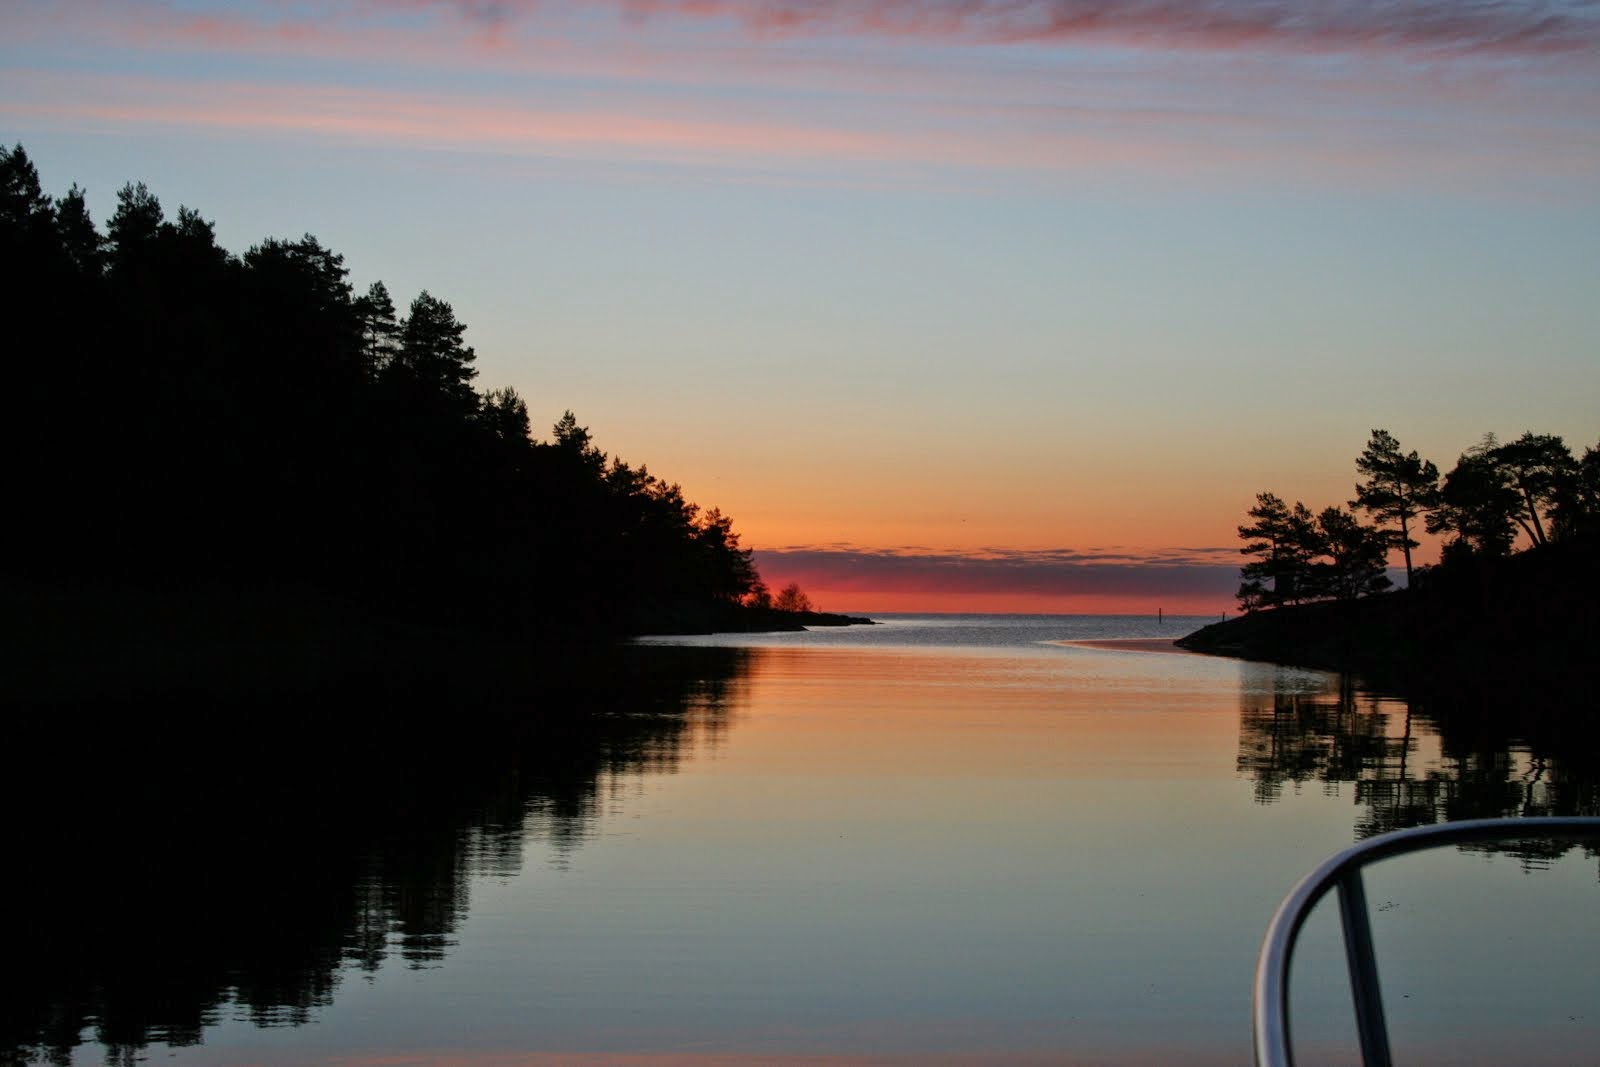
pixel 941 840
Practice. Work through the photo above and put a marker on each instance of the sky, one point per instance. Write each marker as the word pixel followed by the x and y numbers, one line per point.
pixel 961 305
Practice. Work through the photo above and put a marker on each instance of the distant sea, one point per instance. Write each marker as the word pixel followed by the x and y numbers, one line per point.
pixel 953 631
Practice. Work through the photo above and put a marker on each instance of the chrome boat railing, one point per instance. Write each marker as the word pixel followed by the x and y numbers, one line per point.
pixel 1342 871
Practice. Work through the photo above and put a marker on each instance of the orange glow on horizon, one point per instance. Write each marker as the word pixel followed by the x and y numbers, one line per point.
pixel 933 601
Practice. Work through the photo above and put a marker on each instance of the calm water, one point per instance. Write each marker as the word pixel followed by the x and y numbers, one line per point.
pixel 939 840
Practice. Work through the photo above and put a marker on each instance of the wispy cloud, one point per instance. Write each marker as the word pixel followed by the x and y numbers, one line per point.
pixel 727 133
pixel 1508 27
pixel 422 119
pixel 1504 92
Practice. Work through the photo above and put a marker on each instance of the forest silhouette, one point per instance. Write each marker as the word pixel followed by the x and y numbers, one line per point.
pixel 305 628
pixel 180 416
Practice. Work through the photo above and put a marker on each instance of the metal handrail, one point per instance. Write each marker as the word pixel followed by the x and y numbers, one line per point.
pixel 1270 996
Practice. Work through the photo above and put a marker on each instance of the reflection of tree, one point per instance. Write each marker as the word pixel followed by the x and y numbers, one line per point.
pixel 186 864
pixel 1417 762
pixel 1293 735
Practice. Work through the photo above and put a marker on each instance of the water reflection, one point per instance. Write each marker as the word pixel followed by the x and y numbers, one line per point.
pixel 175 864
pixel 934 827
pixel 1415 762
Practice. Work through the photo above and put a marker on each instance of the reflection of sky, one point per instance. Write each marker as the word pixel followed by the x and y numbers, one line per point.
pixel 881 275
pixel 1006 635
pixel 895 858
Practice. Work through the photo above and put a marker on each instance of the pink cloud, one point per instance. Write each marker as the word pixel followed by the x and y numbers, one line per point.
pixel 635 127
pixel 725 132
pixel 1245 29
pixel 423 120
pixel 1507 27
pixel 680 82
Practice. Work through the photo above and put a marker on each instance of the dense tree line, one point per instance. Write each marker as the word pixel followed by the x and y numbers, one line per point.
pixel 178 413
pixel 1533 486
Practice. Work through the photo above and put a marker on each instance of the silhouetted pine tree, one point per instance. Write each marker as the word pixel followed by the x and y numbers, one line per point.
pixel 180 415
